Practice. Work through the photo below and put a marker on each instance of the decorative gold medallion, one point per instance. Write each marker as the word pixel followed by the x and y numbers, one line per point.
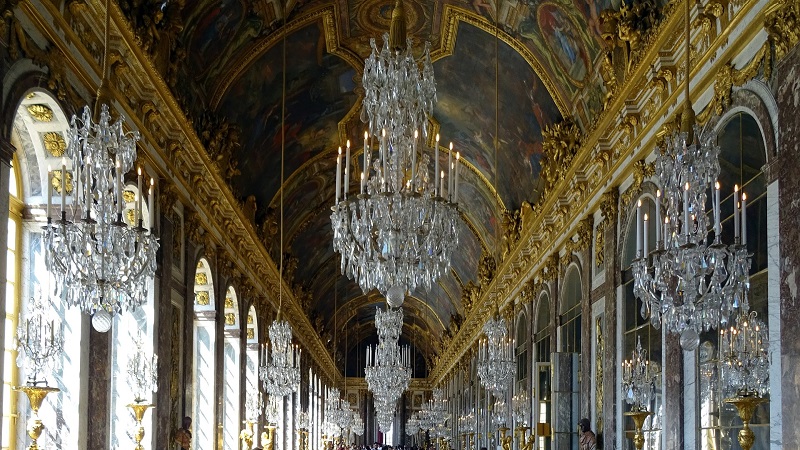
pixel 54 143
pixel 128 196
pixel 230 319
pixel 228 303
pixel 250 319
pixel 200 279
pixel 201 298
pixel 251 333
pixel 41 113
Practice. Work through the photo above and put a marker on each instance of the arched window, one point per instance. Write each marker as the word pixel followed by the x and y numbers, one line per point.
pixel 203 400
pixel 571 311
pixel 542 375
pixel 742 156
pixel 38 134
pixel 522 351
pixel 230 371
pixel 251 370
pixel 635 328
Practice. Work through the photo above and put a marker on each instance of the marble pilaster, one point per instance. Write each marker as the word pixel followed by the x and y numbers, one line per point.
pixel 788 99
pixel 165 418
pixel 99 388
pixel 673 376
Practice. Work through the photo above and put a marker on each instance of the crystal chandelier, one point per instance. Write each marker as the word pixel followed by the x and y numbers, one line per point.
pixel 303 421
pixel 273 409
pixel 744 352
pixel 499 412
pixel 142 372
pixel 388 371
pixel 101 258
pixel 357 424
pixel 412 425
pixel 691 283
pixel 39 341
pixel 253 405
pixel 281 372
pixel 338 412
pixel 496 366
pixel 400 231
pixel 389 324
pixel 638 378
pixel 521 408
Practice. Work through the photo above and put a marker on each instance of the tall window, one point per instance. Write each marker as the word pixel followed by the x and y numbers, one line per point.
pixel 636 327
pixel 542 373
pixel 203 400
pixel 571 311
pixel 127 329
pixel 13 261
pixel 522 351
pixel 742 155
pixel 231 370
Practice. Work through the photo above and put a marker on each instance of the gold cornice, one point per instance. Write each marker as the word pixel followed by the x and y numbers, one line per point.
pixel 454 14
pixel 327 13
pixel 237 235
pixel 531 256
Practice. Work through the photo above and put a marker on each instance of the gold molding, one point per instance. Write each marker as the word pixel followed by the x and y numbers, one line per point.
pixel 40 112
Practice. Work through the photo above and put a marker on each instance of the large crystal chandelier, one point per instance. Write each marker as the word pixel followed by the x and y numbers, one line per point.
pixel 101 257
pixel 638 378
pixel 521 408
pixel 338 412
pixel 691 283
pixel 281 370
pixel 39 341
pixel 388 369
pixel 496 366
pixel 744 356
pixel 400 231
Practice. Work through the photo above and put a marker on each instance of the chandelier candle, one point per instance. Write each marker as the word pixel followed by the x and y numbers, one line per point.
pixel 338 173
pixel 639 229
pixel 63 187
pixel 658 219
pixel 744 218
pixel 736 212
pixel 347 170
pixel 458 158
pixel 436 166
pixel 414 161
pixel 49 188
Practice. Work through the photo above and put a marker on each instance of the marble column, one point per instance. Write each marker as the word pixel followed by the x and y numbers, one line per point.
pixel 6 153
pixel 672 372
pixel 586 334
pixel 788 100
pixel 165 418
pixel 99 388
pixel 609 292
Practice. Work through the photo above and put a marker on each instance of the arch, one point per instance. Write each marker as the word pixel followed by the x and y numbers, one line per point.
pixel 754 98
pixel 570 310
pixel 231 381
pixel 203 288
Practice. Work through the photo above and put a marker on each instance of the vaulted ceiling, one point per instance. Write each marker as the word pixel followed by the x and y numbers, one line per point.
pixel 232 79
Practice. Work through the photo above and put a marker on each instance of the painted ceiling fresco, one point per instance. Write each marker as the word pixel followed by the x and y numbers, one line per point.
pixel 234 71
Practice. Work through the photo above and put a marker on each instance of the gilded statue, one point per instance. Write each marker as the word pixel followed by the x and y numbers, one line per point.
pixel 469 296
pixel 486 268
pixel 512 228
pixel 506 442
pixel 561 142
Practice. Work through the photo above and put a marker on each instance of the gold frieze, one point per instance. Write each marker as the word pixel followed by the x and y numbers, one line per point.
pixel 54 143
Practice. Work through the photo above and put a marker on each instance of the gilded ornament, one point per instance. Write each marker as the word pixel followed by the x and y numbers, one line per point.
pixel 250 319
pixel 781 24
pixel 56 181
pixel 560 144
pixel 200 279
pixel 201 298
pixel 130 216
pixel 584 232
pixel 727 77
pixel 40 113
pixel 599 245
pixel 228 302
pixel 641 171
pixel 128 196
pixel 251 333
pixel 230 319
pixel 550 269
pixel 54 143
pixel 598 371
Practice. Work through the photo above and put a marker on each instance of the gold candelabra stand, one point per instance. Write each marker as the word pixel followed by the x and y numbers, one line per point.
pixel 303 435
pixel 638 421
pixel 464 441
pixel 36 395
pixel 505 441
pixel 268 438
pixel 138 412
pixel 745 405
pixel 524 443
pixel 247 434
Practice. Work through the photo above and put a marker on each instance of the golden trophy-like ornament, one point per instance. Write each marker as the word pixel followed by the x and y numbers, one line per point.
pixel 472 439
pixel 525 443
pixel 746 405
pixel 138 412
pixel 268 438
pixel 36 395
pixel 638 422
pixel 247 434
pixel 505 441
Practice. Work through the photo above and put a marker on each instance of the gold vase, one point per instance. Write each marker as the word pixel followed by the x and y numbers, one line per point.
pixel 638 421
pixel 524 443
pixel 746 405
pixel 138 412
pixel 246 435
pixel 36 395
pixel 268 438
